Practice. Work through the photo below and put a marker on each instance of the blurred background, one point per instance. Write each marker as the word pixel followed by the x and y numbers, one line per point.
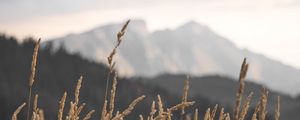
pixel 165 41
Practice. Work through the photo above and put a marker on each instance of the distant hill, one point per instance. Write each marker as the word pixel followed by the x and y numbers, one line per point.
pixel 58 72
pixel 191 48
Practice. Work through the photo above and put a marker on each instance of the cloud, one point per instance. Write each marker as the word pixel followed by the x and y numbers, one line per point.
pixel 12 10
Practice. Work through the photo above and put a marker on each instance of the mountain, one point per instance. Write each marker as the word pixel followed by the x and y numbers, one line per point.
pixel 58 71
pixel 191 48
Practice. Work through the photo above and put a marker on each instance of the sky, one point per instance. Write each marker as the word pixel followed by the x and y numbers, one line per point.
pixel 269 27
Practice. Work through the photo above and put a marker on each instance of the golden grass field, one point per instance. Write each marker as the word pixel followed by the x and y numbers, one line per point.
pixel 158 110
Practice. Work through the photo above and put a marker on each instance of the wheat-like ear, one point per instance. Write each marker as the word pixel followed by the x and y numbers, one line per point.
pixel 33 63
pixel 254 116
pixel 177 107
pixel 181 105
pixel 141 117
pixel 119 40
pixel 41 114
pixel 153 111
pixel 213 113
pixel 246 107
pixel 89 115
pixel 263 104
pixel 227 116
pixel 239 93
pixel 104 115
pixel 61 106
pixel 277 111
pixel 221 116
pixel 160 105
pixel 75 110
pixel 129 109
pixel 71 111
pixel 196 114
pixel 122 32
pixel 17 111
pixel 77 90
pixel 35 103
pixel 35 113
pixel 207 114
pixel 79 109
pixel 32 75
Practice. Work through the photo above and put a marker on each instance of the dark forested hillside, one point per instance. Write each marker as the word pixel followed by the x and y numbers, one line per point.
pixel 58 72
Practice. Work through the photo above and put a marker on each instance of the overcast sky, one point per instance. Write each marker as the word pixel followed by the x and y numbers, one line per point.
pixel 270 27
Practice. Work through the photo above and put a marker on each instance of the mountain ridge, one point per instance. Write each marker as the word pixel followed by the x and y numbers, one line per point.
pixel 191 48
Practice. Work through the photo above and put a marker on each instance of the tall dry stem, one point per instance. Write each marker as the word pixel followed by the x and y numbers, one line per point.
pixel 277 110
pixel 239 93
pixel 111 64
pixel 185 93
pixel 112 96
pixel 32 75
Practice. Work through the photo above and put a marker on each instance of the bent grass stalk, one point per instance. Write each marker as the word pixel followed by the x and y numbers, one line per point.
pixel 111 64
pixel 17 111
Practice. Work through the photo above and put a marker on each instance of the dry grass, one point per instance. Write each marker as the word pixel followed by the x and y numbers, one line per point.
pixel 254 116
pixel 61 106
pixel 246 107
pixel 221 116
pixel 17 111
pixel 196 114
pixel 277 111
pixel 89 115
pixel 157 112
pixel 32 75
pixel 263 104
pixel 75 109
pixel 185 93
pixel 239 94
